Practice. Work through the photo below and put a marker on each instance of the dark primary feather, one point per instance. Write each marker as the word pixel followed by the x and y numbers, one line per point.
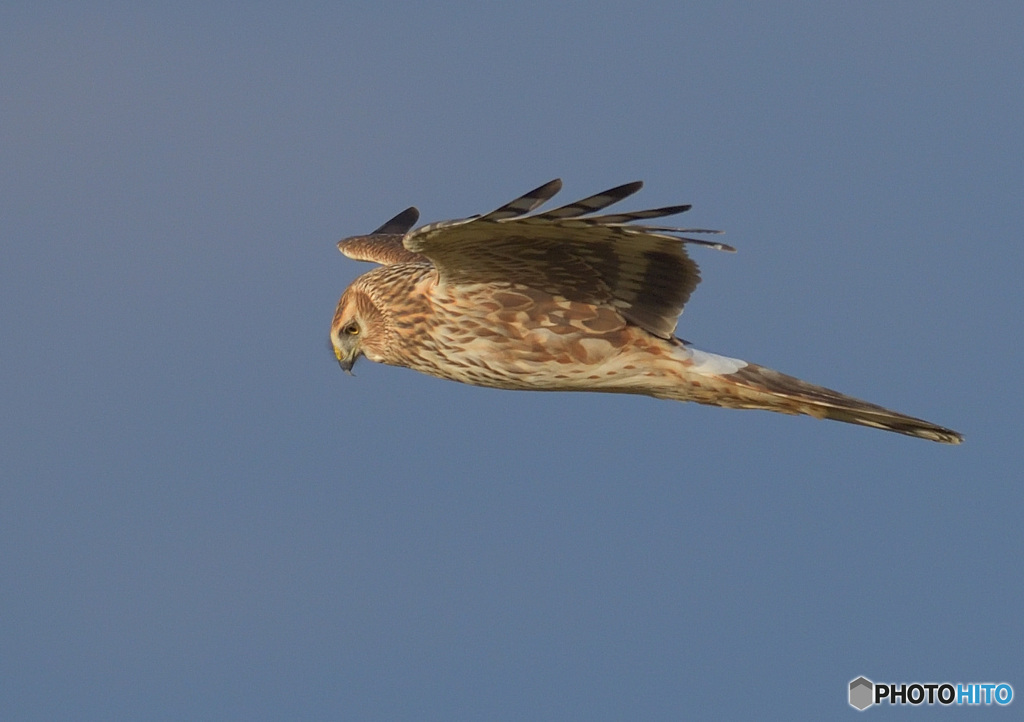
pixel 593 203
pixel 400 224
pixel 526 202
pixel 641 215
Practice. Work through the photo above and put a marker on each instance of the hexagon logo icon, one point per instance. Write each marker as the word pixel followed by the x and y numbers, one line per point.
pixel 861 693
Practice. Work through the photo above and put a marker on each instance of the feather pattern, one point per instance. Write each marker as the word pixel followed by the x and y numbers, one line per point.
pixel 643 272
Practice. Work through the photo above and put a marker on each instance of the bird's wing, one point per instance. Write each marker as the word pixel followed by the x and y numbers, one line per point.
pixel 642 271
pixel 384 245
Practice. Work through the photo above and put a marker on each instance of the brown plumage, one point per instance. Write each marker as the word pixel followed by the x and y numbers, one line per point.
pixel 563 300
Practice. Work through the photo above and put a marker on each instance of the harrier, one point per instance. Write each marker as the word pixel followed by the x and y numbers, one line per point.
pixel 562 300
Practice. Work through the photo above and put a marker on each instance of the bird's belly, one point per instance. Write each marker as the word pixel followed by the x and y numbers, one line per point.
pixel 542 356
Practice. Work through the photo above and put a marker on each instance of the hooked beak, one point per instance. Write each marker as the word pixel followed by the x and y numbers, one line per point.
pixel 346 361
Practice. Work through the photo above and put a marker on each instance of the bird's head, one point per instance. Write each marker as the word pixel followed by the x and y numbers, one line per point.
pixel 359 329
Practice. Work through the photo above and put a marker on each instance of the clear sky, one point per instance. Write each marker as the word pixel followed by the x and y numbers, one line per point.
pixel 202 517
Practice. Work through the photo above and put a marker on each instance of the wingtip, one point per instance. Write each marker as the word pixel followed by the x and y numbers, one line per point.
pixel 525 203
pixel 401 223
pixel 553 186
pixel 954 438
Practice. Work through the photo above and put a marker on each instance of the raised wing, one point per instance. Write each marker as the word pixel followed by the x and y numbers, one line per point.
pixel 384 245
pixel 642 271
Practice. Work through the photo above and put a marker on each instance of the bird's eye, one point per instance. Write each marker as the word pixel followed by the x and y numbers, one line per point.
pixel 351 330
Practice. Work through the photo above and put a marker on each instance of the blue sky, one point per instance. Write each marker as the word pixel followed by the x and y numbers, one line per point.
pixel 202 517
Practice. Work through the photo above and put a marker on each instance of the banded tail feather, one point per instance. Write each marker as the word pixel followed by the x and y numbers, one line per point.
pixel 757 387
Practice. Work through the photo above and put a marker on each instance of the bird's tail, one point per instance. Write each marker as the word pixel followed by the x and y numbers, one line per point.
pixel 755 387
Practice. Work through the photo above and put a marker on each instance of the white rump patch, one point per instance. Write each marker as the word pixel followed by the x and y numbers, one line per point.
pixel 710 363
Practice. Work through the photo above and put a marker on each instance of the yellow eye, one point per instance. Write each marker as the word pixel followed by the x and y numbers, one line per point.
pixel 351 330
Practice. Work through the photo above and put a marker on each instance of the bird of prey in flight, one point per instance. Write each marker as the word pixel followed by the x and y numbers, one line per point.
pixel 562 300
